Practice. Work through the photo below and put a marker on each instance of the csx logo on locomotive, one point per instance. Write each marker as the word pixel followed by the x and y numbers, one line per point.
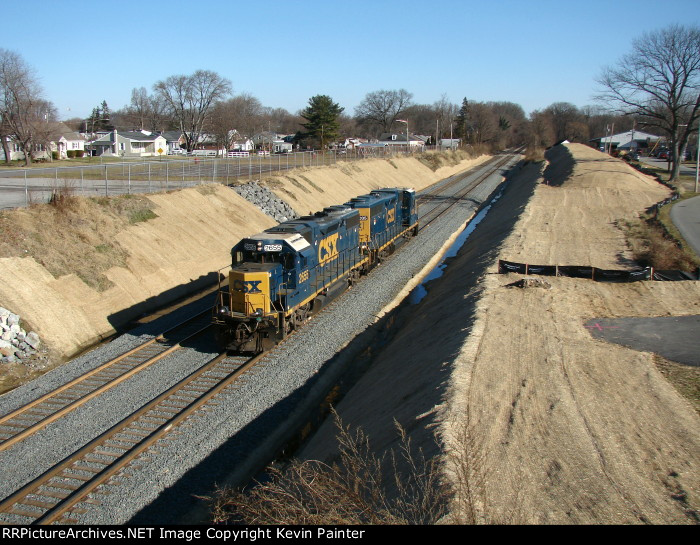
pixel 247 286
pixel 328 249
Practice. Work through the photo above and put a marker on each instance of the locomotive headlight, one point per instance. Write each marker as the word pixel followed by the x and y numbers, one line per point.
pixel 224 309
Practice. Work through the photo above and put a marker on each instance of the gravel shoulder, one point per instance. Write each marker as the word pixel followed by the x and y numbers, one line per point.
pixel 558 427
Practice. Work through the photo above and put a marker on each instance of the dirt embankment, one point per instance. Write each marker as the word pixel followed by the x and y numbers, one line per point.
pixel 186 236
pixel 550 425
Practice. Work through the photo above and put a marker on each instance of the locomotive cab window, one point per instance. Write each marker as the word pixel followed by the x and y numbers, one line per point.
pixel 260 257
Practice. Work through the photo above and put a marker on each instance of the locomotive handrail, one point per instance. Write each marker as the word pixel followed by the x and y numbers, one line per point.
pixel 343 254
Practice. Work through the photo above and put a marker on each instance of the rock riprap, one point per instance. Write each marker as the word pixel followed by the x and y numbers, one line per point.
pixel 16 345
pixel 267 201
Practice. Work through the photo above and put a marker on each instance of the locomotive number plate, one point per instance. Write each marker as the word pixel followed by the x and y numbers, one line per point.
pixel 272 248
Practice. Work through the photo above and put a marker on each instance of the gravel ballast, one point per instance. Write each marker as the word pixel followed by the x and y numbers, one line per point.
pixel 233 438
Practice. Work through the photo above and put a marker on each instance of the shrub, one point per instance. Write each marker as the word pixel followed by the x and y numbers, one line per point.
pixel 62 196
pixel 352 491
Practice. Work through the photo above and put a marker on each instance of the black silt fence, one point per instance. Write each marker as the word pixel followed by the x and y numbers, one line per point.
pixel 580 271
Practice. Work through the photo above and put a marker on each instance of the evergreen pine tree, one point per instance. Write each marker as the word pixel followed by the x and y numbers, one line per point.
pixel 462 121
pixel 322 116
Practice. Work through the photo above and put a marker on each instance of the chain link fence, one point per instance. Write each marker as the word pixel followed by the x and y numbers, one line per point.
pixel 105 176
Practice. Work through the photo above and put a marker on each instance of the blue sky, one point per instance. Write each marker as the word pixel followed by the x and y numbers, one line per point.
pixel 531 52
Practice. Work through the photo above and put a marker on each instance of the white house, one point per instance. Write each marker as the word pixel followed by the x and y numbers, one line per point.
pixel 449 143
pixel 266 139
pixel 62 140
pixel 129 144
pixel 630 141
pixel 393 139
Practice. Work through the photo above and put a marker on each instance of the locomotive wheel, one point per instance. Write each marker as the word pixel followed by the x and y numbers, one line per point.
pixel 353 277
pixel 289 324
pixel 300 315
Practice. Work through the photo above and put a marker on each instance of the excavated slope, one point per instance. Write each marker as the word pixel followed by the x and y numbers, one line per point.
pixel 550 425
pixel 189 240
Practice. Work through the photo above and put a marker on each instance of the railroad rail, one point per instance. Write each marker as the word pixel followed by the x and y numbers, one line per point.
pixel 32 417
pixel 443 204
pixel 55 495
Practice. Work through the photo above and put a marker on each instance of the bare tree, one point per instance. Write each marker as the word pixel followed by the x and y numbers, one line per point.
pixel 144 112
pixel 280 120
pixel 484 124
pixel 234 118
pixel 541 132
pixel 190 99
pixel 380 109
pixel 660 81
pixel 140 106
pixel 246 112
pixel 563 116
pixel 446 113
pixel 23 110
pixel 45 118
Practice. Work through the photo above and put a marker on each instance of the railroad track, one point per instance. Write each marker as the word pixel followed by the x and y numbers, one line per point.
pixel 27 420
pixel 441 204
pixel 55 496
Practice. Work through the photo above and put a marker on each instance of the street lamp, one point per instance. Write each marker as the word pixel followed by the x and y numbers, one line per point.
pixel 408 141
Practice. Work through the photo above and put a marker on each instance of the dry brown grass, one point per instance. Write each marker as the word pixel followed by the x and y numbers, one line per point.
pixel 361 487
pixel 73 235
pixel 684 378
pixel 653 244
pixel 534 154
pixel 354 490
pixel 438 159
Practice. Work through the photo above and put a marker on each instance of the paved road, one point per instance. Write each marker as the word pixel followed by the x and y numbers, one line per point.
pixel 686 170
pixel 674 337
pixel 686 214
pixel 686 217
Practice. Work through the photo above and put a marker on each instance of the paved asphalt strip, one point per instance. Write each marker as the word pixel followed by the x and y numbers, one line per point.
pixel 676 338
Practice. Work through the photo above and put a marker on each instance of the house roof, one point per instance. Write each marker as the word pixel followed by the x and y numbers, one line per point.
pixel 129 135
pixel 60 129
pixel 139 136
pixel 624 137
pixel 171 136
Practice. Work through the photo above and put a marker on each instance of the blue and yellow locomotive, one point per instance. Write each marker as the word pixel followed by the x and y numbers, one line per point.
pixel 285 274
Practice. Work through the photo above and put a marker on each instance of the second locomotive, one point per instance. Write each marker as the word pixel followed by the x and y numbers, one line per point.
pixel 285 274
